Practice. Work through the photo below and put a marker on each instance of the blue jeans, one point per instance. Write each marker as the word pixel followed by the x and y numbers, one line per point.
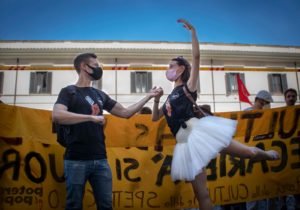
pixel 257 205
pixel 265 204
pixel 98 173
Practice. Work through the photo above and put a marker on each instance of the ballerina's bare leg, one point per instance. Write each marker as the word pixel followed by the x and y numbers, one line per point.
pixel 201 192
pixel 241 150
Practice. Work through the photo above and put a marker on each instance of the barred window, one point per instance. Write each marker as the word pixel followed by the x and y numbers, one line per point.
pixel 141 82
pixel 231 82
pixel 97 84
pixel 277 83
pixel 1 82
pixel 40 82
pixel 198 85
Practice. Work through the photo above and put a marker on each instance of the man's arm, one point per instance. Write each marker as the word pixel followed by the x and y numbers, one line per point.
pixel 120 111
pixel 61 115
pixel 127 112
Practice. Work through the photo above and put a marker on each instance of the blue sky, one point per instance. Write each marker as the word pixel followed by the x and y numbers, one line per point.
pixel 271 22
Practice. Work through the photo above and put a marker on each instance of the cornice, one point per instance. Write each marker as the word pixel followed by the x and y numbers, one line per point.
pixel 64 45
pixel 59 50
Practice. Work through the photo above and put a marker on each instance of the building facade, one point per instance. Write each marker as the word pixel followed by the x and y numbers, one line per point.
pixel 33 72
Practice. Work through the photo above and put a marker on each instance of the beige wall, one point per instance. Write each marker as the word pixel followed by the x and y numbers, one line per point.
pixel 117 83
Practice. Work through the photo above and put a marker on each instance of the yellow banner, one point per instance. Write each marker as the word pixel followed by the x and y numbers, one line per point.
pixel 140 155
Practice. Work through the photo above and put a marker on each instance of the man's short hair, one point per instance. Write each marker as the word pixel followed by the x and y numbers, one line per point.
pixel 145 110
pixel 290 90
pixel 84 57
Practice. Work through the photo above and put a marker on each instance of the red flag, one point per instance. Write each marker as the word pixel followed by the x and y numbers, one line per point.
pixel 243 92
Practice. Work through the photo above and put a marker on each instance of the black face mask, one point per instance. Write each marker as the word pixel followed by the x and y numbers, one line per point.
pixel 97 72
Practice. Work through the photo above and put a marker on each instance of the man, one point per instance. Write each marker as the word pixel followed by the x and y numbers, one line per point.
pixel 81 107
pixel 290 97
pixel 291 202
pixel 262 100
pixel 145 110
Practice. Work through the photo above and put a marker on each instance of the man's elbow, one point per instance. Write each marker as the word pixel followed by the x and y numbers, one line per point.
pixel 125 114
pixel 128 115
pixel 55 116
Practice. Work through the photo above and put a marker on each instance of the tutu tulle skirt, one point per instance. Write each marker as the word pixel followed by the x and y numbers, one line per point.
pixel 198 144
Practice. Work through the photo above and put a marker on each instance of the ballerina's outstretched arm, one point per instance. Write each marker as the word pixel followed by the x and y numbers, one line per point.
pixel 193 80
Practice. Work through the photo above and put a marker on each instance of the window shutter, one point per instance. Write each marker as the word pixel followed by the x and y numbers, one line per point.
pixel 227 83
pixel 132 82
pixel 242 76
pixel 1 82
pixel 270 82
pixel 284 82
pixel 49 82
pixel 198 85
pixel 97 84
pixel 32 88
pixel 149 81
pixel 100 84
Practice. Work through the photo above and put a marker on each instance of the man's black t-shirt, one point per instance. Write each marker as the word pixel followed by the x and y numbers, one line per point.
pixel 178 108
pixel 86 141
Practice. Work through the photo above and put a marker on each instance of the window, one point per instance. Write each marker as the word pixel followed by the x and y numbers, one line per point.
pixel 231 82
pixel 40 82
pixel 1 82
pixel 141 82
pixel 97 84
pixel 277 83
pixel 198 86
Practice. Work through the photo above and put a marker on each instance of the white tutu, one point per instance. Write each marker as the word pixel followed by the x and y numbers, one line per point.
pixel 198 144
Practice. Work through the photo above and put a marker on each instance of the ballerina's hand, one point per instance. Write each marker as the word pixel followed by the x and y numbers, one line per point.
pixel 159 92
pixel 155 91
pixel 186 24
